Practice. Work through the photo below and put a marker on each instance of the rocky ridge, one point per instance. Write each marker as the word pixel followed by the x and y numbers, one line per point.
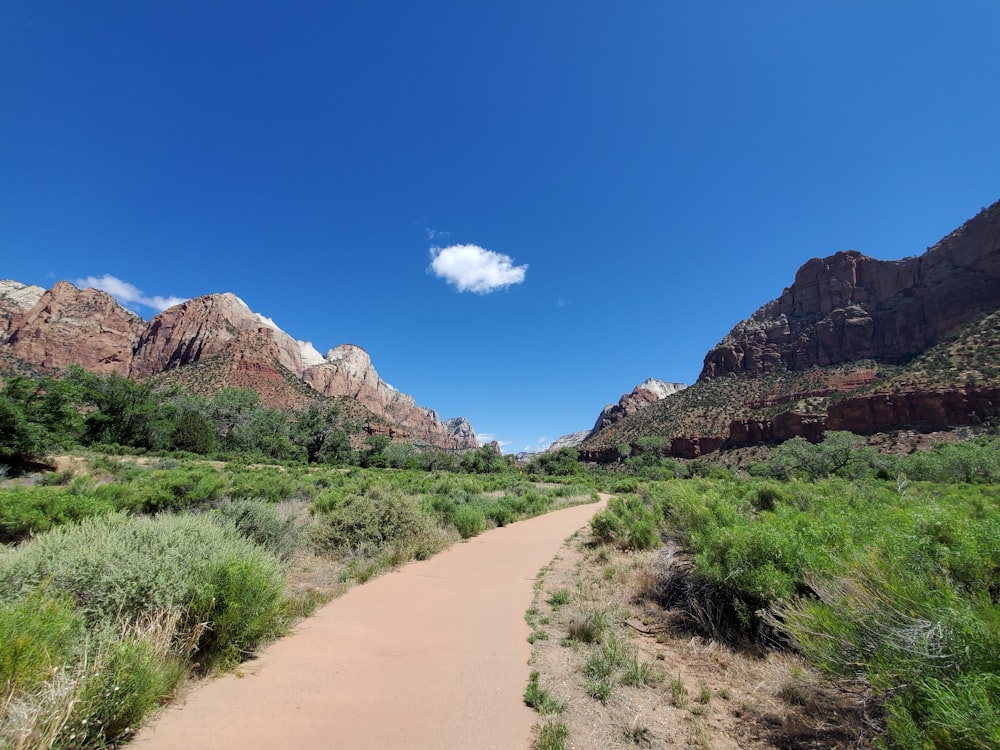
pixel 853 344
pixel 65 325
pixel 848 306
pixel 647 392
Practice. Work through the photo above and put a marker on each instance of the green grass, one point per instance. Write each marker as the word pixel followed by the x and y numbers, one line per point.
pixel 541 699
pixel 558 599
pixel 615 663
pixel 551 735
pixel 588 626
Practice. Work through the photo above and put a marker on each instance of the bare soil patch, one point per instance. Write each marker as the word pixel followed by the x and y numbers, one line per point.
pixel 697 693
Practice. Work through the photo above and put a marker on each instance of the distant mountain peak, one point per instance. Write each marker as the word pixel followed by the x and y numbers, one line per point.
pixel 65 325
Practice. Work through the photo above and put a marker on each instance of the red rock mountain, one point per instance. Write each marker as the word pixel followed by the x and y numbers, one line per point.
pixel 849 307
pixel 66 325
pixel 347 371
pixel 52 329
pixel 647 392
pixel 853 344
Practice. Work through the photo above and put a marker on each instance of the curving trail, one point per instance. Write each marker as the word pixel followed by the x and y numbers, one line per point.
pixel 431 655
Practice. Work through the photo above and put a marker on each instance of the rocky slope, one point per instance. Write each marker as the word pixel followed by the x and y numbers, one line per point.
pixel 849 307
pixel 648 392
pixel 66 325
pixel 205 344
pixel 16 298
pixel 853 344
pixel 347 371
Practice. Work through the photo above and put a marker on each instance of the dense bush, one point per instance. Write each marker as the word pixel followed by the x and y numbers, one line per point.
pixel 119 569
pixel 364 523
pixel 894 582
pixel 469 519
pixel 30 510
pixel 39 632
pixel 263 524
pixel 627 522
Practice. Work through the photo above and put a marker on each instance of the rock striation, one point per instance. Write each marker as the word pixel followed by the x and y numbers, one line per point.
pixel 849 307
pixel 50 330
pixel 347 371
pixel 647 392
pixel 15 298
pixel 66 325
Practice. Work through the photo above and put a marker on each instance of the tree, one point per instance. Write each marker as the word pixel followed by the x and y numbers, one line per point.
pixel 36 416
pixel 194 433
pixel 561 463
pixel 126 412
pixel 375 456
pixel 230 410
pixel 316 431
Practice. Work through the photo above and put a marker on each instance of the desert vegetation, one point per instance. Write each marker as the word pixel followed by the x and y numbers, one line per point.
pixel 869 583
pixel 178 533
pixel 137 561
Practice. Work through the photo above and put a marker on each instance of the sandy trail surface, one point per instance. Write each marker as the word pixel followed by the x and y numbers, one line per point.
pixel 432 655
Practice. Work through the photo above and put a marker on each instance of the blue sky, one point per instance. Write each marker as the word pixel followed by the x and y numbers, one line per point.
pixel 521 209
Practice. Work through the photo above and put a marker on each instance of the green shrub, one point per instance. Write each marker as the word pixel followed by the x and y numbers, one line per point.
pixel 39 632
pixel 182 488
pixel 119 569
pixel 363 524
pixel 241 603
pixel 262 523
pixel 627 522
pixel 32 510
pixel 124 682
pixel 469 520
pixel 267 484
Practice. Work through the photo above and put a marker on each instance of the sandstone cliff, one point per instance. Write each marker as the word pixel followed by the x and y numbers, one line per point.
pixel 215 324
pixel 648 392
pixel 215 339
pixel 15 298
pixel 66 325
pixel 853 344
pixel 849 307
pixel 347 371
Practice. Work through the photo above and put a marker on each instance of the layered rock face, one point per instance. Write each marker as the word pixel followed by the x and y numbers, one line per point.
pixel 571 440
pixel 66 325
pixel 15 298
pixel 648 392
pixel 212 325
pixel 52 329
pixel 460 429
pixel 848 306
pixel 347 371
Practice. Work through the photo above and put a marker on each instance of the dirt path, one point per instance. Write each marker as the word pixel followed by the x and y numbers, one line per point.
pixel 433 655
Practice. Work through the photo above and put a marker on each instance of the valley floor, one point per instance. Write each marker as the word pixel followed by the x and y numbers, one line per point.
pixel 695 692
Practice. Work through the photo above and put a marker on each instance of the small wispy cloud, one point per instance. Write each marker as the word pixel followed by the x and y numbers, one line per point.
pixel 433 234
pixel 471 268
pixel 127 293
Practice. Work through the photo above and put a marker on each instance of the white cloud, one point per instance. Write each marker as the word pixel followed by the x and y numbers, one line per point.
pixel 127 293
pixel 433 234
pixel 474 269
